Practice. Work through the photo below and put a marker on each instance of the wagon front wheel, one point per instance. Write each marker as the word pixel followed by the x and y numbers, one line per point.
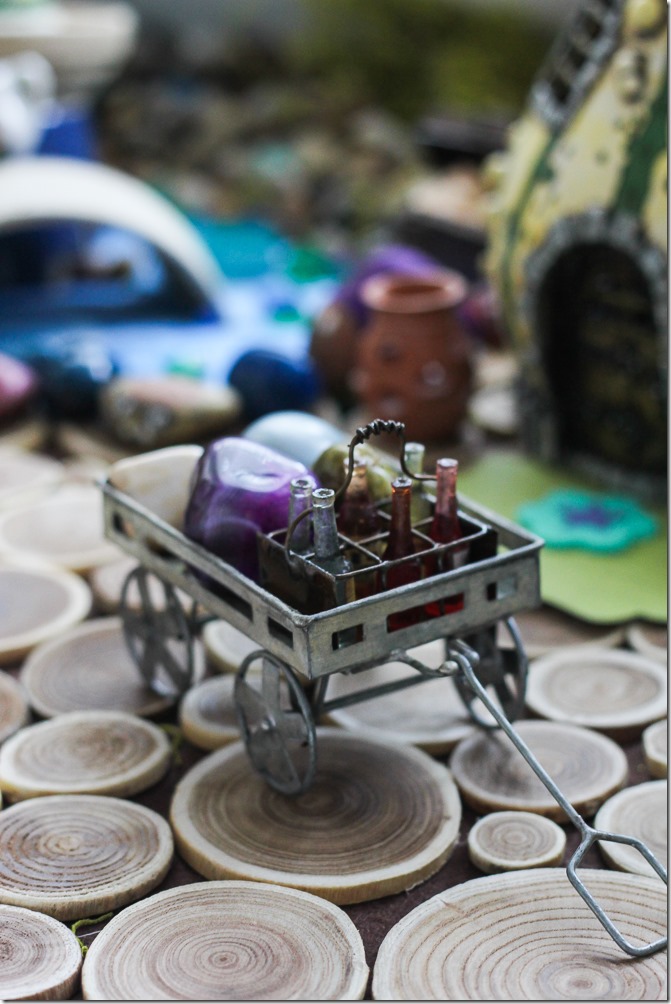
pixel 277 724
pixel 157 633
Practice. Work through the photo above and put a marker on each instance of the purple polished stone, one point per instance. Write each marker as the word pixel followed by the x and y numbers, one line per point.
pixel 240 487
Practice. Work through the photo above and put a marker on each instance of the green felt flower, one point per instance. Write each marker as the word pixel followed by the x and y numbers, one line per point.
pixel 594 521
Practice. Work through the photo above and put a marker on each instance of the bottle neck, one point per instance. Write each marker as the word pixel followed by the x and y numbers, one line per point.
pixel 413 458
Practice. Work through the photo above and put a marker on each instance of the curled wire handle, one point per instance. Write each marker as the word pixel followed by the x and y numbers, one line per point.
pixel 461 654
pixel 362 435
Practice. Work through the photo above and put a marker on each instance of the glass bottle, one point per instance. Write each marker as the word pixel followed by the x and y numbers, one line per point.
pixel 358 517
pixel 445 524
pixel 420 503
pixel 446 528
pixel 301 499
pixel 400 544
pixel 327 553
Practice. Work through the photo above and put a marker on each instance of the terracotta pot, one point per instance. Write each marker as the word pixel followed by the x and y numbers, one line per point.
pixel 414 361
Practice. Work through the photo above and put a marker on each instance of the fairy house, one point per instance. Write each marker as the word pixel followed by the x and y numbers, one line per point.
pixel 577 246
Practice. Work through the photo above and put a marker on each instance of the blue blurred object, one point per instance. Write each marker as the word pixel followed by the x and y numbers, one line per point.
pixel 142 289
pixel 244 249
pixel 69 132
pixel 268 381
pixel 73 369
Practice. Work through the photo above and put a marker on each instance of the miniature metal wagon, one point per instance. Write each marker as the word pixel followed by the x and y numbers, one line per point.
pixel 279 706
pixel 299 651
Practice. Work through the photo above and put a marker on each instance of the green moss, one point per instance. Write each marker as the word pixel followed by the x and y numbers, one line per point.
pixel 416 56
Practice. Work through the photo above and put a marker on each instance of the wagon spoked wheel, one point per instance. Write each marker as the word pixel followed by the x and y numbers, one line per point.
pixel 277 724
pixel 502 671
pixel 157 633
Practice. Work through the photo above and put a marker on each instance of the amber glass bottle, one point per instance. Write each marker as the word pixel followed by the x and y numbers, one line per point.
pixel 358 517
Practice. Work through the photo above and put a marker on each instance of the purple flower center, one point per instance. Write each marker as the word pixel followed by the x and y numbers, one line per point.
pixel 590 514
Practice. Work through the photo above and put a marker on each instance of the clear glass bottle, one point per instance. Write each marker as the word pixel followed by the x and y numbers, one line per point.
pixel 300 500
pixel 327 553
pixel 420 502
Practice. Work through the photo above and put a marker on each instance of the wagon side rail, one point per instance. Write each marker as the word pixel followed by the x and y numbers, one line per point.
pixel 350 636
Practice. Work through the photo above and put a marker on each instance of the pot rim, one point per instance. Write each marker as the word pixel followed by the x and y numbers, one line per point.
pixel 404 293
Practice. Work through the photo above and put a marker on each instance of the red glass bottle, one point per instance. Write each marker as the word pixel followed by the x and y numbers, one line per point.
pixel 446 528
pixel 400 544
pixel 445 524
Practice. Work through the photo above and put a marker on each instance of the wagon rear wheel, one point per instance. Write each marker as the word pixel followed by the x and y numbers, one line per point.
pixel 157 633
pixel 277 724
pixel 502 671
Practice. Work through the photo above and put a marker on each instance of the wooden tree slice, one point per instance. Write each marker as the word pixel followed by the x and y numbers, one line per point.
pixel 25 434
pixel 641 812
pixel 227 940
pixel 107 582
pixel 74 856
pixel 492 774
pixel 378 819
pixel 37 603
pixel 65 529
pixel 649 639
pixel 526 936
pixel 41 957
pixel 656 748
pixel 92 752
pixel 207 714
pixel 546 629
pixel 14 708
pixel 508 841
pixel 613 690
pixel 90 667
pixel 225 646
pixel 26 475
pixel 430 714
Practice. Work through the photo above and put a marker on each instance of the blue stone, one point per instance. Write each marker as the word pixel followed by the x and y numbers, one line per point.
pixel 73 367
pixel 268 381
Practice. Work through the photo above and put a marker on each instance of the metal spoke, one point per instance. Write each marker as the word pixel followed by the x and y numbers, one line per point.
pixel 277 725
pixel 150 632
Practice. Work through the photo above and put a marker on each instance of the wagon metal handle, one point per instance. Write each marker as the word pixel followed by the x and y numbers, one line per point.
pixel 465 658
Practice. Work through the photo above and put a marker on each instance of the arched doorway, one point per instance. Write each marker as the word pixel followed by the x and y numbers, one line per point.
pixel 600 350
